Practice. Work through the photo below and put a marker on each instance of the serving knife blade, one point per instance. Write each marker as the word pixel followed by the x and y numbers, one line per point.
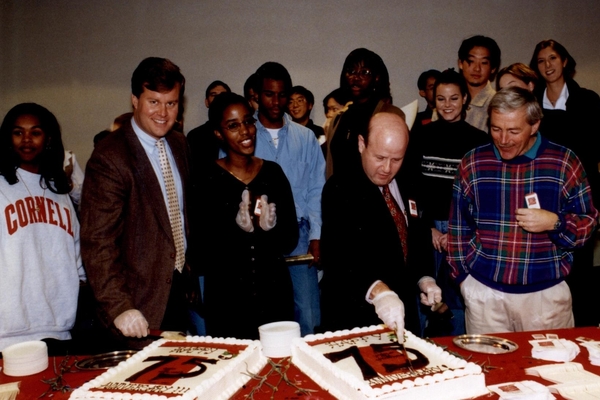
pixel 410 366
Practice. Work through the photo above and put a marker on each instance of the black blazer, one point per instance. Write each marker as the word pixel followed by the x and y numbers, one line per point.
pixel 359 245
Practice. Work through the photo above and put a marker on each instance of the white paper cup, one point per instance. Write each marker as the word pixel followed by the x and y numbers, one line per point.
pixel 276 338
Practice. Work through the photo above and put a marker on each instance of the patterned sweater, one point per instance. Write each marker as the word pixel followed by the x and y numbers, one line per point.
pixel 484 238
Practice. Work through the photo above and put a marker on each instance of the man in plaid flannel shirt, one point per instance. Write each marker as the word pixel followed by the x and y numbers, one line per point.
pixel 521 206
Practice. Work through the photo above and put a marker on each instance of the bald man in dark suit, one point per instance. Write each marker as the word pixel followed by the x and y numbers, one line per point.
pixel 375 249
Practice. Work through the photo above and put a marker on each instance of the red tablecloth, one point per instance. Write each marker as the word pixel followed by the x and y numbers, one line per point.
pixel 511 367
pixel 502 368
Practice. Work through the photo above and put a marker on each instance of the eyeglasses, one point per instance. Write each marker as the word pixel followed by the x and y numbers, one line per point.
pixel 299 101
pixel 361 73
pixel 236 126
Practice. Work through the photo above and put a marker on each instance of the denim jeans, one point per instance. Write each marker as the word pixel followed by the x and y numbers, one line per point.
pixel 198 326
pixel 307 303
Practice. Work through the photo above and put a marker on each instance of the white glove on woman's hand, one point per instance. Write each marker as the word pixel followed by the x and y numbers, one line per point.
pixel 243 218
pixel 268 216
pixel 390 310
pixel 431 293
pixel 132 323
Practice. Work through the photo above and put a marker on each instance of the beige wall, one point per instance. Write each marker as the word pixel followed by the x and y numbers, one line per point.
pixel 76 57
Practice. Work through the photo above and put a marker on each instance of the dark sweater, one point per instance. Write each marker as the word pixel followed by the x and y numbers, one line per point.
pixel 435 154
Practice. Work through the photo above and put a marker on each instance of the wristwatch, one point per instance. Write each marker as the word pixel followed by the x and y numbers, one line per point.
pixel 558 224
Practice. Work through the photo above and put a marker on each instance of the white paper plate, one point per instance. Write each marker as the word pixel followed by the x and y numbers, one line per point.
pixel 25 358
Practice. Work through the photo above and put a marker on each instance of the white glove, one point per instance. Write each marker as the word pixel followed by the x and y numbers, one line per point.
pixel 431 293
pixel 390 310
pixel 268 217
pixel 243 218
pixel 132 323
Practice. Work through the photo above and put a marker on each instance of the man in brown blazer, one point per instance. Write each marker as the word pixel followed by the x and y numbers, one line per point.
pixel 134 229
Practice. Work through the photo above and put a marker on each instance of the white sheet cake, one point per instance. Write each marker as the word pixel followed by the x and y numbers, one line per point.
pixel 368 363
pixel 199 367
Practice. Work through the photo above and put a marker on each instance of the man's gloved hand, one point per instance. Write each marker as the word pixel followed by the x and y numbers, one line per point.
pixel 268 216
pixel 243 218
pixel 390 310
pixel 431 293
pixel 132 323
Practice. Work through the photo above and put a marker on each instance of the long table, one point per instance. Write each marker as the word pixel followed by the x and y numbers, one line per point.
pixel 499 368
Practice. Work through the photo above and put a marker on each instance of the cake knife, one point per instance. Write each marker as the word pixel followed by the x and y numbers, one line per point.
pixel 410 366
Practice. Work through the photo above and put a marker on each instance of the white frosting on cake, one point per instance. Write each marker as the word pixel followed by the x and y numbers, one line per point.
pixel 224 374
pixel 438 375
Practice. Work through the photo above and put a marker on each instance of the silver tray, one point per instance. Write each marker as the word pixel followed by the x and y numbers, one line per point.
pixel 104 361
pixel 485 344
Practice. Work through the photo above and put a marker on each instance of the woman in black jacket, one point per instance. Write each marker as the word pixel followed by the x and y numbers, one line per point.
pixel 571 119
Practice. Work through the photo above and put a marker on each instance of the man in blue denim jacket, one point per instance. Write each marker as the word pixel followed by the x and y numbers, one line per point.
pixel 295 148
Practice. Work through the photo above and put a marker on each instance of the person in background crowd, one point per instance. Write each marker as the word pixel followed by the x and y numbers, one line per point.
pixel 435 154
pixel 40 258
pixel 568 108
pixel 520 207
pixel 479 60
pixel 517 74
pixel 205 149
pixel 247 283
pixel 134 213
pixel 75 174
pixel 334 103
pixel 204 145
pixel 117 123
pixel 250 91
pixel 300 104
pixel 297 151
pixel 375 247
pixel 569 120
pixel 365 81
pixel 425 84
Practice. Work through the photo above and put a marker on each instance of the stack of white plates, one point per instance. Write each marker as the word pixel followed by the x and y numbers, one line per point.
pixel 25 358
pixel 276 338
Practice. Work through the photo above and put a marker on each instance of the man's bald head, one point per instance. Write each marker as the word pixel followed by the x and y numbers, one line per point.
pixel 382 149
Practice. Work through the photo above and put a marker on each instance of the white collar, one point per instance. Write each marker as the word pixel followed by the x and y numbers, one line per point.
pixel 561 102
